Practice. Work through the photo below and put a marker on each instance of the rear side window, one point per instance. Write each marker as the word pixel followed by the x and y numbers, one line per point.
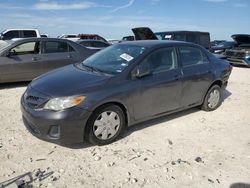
pixel 86 43
pixel 55 47
pixel 161 60
pixel 11 34
pixel 99 44
pixel 192 56
pixel 29 33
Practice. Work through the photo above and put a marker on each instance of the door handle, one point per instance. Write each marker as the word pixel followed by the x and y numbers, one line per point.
pixel 35 59
pixel 69 56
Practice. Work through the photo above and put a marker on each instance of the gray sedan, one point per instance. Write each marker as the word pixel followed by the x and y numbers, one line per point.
pixel 25 59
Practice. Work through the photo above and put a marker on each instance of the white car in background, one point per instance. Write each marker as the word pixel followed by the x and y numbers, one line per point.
pixel 113 41
pixel 72 37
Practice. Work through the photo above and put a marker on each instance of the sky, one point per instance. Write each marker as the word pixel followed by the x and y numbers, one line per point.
pixel 114 19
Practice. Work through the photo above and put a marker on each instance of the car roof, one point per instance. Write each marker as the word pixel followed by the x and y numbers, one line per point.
pixel 154 43
pixel 31 39
pixel 89 40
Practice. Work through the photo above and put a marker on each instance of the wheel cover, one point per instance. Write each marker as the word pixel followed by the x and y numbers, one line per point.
pixel 106 125
pixel 214 98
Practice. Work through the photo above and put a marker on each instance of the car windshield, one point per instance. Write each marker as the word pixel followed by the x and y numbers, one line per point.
pixel 114 59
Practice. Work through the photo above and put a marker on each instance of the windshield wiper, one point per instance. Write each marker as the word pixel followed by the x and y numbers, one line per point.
pixel 86 67
pixel 93 69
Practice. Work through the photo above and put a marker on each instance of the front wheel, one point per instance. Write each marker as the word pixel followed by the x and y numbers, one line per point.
pixel 213 99
pixel 105 125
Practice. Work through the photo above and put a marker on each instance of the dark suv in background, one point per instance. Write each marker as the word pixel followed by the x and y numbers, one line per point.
pixel 197 37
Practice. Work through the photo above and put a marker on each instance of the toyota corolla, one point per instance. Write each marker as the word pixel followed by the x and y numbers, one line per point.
pixel 120 86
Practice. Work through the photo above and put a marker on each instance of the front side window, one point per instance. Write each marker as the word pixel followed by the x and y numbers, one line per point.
pixel 26 48
pixel 192 56
pixel 114 59
pixel 55 47
pixel 11 34
pixel 161 60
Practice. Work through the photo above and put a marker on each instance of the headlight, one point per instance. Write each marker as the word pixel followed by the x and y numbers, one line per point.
pixel 62 103
pixel 247 53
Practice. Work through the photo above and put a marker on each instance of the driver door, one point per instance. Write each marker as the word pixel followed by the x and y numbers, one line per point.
pixel 159 91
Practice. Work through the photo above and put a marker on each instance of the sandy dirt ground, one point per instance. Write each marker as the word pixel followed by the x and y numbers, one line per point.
pixel 192 148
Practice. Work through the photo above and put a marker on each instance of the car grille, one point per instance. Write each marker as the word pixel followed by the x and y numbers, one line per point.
pixel 34 99
pixel 235 54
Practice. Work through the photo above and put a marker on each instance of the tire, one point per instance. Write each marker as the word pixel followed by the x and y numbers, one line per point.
pixel 210 104
pixel 105 125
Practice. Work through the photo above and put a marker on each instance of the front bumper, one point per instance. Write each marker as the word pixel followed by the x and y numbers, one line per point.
pixel 64 127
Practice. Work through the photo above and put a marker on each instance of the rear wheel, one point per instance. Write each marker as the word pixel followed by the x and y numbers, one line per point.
pixel 213 99
pixel 105 125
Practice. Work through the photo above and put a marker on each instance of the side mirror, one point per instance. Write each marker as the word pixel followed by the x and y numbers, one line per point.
pixel 141 70
pixel 10 53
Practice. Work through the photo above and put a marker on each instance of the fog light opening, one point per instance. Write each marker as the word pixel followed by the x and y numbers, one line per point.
pixel 54 131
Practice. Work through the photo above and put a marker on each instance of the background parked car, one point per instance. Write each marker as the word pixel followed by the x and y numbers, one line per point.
pixel 222 47
pixel 240 54
pixel 217 42
pixel 26 59
pixel 197 37
pixel 128 38
pixel 92 37
pixel 72 37
pixel 93 44
pixel 113 41
pixel 12 34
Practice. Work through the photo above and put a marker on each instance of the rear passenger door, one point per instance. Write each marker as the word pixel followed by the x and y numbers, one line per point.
pixel 197 75
pixel 56 54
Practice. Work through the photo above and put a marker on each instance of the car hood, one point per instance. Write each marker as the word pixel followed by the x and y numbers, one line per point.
pixel 68 81
pixel 144 33
pixel 241 39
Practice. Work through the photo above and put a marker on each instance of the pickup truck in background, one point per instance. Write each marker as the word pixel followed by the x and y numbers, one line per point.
pixel 12 34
